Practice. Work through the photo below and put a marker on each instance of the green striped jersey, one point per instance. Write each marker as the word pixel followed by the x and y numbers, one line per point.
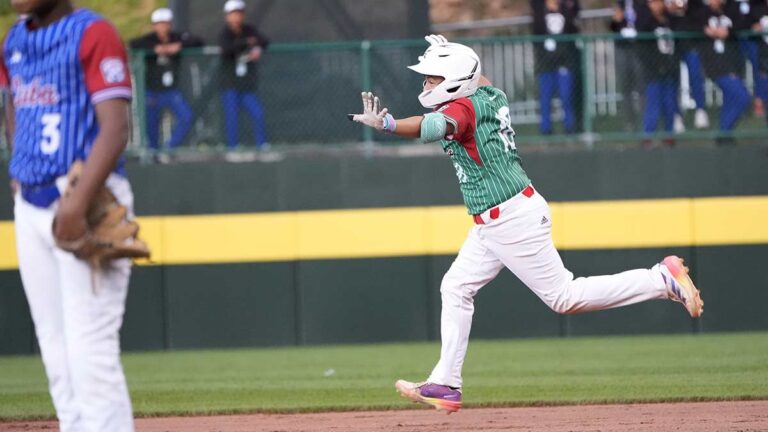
pixel 482 149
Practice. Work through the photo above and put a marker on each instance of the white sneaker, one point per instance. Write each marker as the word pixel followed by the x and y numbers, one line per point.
pixel 680 287
pixel 701 119
pixel 678 125
pixel 239 156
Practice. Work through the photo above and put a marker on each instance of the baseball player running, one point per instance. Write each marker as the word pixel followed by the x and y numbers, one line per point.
pixel 66 73
pixel 513 227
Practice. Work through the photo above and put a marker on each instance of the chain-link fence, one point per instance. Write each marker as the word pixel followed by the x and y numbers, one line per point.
pixel 585 88
pixel 582 90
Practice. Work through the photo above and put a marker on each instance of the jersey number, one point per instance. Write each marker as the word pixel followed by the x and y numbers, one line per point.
pixel 460 173
pixel 506 132
pixel 51 135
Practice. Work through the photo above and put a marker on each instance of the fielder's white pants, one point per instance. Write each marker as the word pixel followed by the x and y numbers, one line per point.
pixel 521 240
pixel 77 327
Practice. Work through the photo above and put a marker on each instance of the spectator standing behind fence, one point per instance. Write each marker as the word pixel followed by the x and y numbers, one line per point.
pixel 660 70
pixel 721 59
pixel 241 49
pixel 743 14
pixel 163 56
pixel 556 59
pixel 686 16
pixel 626 14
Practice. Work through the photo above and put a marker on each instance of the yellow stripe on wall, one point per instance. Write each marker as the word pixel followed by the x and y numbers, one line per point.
pixel 439 230
pixel 720 221
pixel 8 258
pixel 625 224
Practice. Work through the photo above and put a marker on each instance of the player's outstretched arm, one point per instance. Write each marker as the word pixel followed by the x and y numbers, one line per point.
pixel 10 128
pixel 380 119
pixel 9 111
pixel 112 116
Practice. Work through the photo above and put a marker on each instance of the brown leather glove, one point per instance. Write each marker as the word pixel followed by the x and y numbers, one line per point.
pixel 111 235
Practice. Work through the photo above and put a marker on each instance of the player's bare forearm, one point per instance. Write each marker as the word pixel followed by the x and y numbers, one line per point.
pixel 409 127
pixel 113 117
pixel 9 112
pixel 10 118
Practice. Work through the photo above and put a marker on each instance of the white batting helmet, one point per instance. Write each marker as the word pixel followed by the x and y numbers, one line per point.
pixel 457 63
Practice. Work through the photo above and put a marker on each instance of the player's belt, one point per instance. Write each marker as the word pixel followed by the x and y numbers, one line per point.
pixel 494 213
pixel 40 196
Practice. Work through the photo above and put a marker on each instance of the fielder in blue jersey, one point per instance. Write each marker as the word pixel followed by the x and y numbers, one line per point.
pixel 65 73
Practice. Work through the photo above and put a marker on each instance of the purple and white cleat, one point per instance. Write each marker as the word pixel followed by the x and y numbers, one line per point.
pixel 680 287
pixel 442 397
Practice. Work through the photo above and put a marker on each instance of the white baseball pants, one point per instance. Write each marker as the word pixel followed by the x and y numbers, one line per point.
pixel 521 240
pixel 77 314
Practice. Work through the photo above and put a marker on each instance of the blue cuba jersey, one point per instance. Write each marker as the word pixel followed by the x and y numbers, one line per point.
pixel 56 75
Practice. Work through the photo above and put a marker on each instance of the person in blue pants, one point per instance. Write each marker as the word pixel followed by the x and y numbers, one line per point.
pixel 696 84
pixel 660 67
pixel 556 59
pixel 159 100
pixel 745 16
pixel 558 82
pixel 242 46
pixel 687 16
pixel 233 99
pixel 761 25
pixel 721 60
pixel 163 55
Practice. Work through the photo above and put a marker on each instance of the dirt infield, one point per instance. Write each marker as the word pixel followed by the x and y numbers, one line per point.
pixel 749 416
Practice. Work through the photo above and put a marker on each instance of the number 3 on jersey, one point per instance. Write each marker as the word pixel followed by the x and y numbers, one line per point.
pixel 51 135
pixel 506 132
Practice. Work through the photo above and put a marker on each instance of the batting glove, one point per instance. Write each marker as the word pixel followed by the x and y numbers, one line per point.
pixel 373 115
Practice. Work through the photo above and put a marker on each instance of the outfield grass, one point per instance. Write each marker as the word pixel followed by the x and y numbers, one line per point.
pixel 519 372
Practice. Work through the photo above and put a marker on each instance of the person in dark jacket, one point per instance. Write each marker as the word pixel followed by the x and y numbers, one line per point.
pixel 686 16
pixel 660 69
pixel 626 15
pixel 745 14
pixel 242 46
pixel 556 59
pixel 164 47
pixel 722 64
pixel 761 25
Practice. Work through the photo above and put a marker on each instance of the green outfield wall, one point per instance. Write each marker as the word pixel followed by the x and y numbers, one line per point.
pixel 307 288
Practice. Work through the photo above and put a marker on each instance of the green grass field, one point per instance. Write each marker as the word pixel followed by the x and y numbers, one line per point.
pixel 498 373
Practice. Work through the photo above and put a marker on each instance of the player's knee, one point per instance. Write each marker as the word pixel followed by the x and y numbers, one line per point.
pixel 454 290
pixel 563 308
pixel 449 284
pixel 563 304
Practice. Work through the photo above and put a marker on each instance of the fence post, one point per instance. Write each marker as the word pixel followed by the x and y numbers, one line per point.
pixel 587 73
pixel 366 80
pixel 139 106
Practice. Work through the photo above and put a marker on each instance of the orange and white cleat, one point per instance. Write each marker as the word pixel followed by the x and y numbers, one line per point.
pixel 442 397
pixel 680 287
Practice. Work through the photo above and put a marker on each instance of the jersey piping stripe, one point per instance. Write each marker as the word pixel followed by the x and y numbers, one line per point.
pixel 111 93
pixel 440 230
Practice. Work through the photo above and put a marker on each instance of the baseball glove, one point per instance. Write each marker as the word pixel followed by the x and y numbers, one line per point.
pixel 111 235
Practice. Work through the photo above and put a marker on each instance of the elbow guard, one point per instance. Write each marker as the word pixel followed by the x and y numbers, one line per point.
pixel 433 127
